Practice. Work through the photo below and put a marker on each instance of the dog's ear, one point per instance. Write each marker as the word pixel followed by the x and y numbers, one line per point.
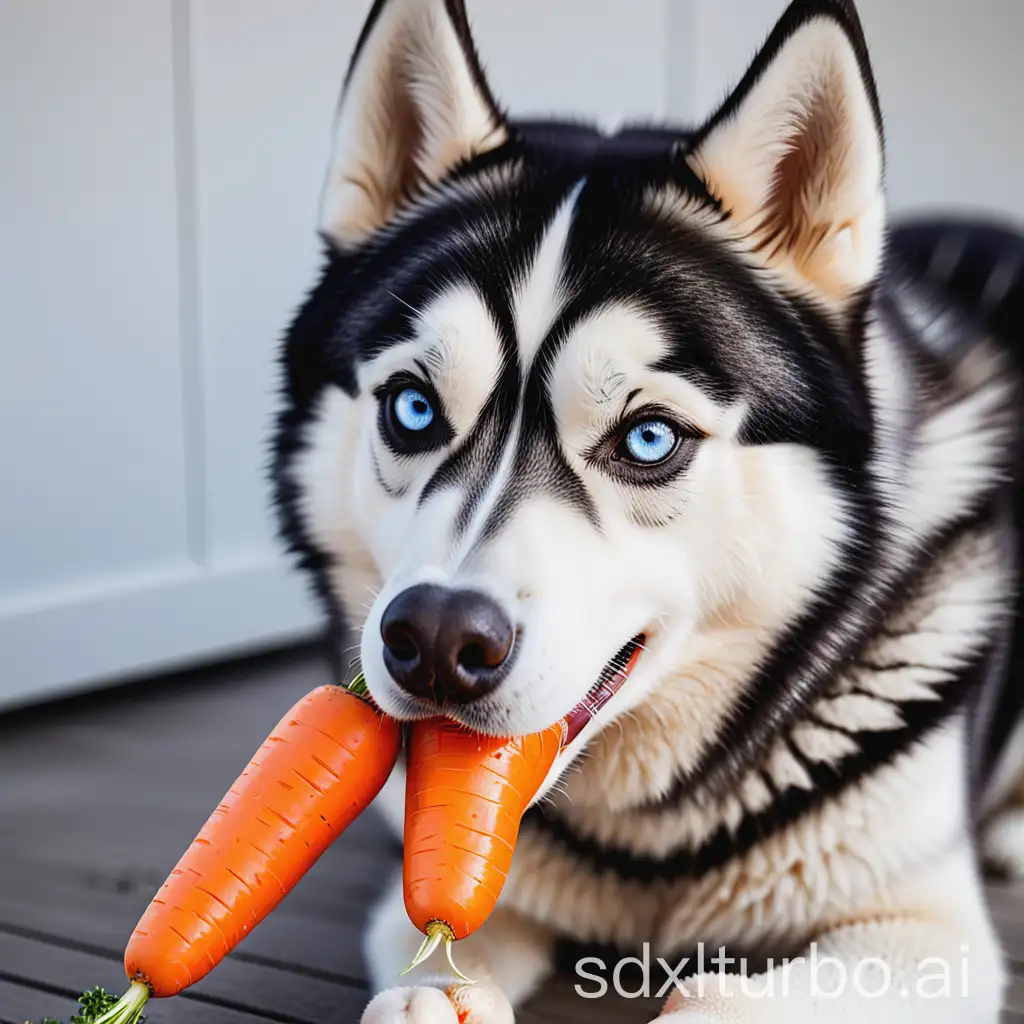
pixel 414 105
pixel 795 155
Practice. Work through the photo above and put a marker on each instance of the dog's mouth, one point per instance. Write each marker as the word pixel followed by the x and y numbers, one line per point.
pixel 612 676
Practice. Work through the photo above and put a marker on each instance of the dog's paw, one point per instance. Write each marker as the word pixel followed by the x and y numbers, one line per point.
pixel 419 1005
pixel 682 1007
pixel 422 1004
pixel 714 999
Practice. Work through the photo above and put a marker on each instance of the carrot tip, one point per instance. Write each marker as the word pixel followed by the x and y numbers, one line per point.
pixel 436 933
pixel 128 1009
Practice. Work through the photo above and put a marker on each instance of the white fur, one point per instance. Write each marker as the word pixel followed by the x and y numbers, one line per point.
pixel 963 446
pixel 539 297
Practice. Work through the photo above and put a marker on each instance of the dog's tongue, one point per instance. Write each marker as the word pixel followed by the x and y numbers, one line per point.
pixel 609 683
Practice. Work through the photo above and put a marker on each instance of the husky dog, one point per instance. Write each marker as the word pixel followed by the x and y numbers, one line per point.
pixel 560 397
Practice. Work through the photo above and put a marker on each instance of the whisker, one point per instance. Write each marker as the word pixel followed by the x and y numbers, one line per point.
pixel 412 309
pixel 418 313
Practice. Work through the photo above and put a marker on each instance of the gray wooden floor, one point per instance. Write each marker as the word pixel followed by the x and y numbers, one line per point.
pixel 99 796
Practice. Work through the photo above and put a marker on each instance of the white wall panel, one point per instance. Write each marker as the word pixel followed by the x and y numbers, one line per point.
pixel 265 81
pixel 91 461
pixel 680 50
pixel 604 59
pixel 951 82
pixel 104 567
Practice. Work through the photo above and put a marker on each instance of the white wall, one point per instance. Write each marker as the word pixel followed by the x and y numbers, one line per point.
pixel 161 167
pixel 162 161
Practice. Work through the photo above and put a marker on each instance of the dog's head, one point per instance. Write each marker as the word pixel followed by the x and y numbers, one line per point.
pixel 558 397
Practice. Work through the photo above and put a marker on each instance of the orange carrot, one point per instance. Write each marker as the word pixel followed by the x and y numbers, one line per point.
pixel 317 771
pixel 465 797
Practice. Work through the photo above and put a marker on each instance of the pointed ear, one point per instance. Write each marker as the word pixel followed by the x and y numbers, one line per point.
pixel 796 153
pixel 414 105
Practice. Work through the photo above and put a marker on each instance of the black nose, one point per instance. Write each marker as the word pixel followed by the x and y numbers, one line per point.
pixel 446 645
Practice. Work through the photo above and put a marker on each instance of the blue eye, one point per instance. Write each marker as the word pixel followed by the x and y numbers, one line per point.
pixel 650 442
pixel 413 410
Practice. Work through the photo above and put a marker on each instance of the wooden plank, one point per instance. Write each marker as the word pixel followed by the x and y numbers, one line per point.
pixel 263 991
pixel 1013 1001
pixel 345 881
pixel 557 1003
pixel 349 876
pixel 81 133
pixel 150 768
pixel 105 793
pixel 104 920
pixel 20 1003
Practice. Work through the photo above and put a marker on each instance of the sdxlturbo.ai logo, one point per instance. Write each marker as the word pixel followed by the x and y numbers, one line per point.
pixel 817 975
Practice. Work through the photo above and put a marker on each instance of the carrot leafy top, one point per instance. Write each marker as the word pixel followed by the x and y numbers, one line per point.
pixel 91 1006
